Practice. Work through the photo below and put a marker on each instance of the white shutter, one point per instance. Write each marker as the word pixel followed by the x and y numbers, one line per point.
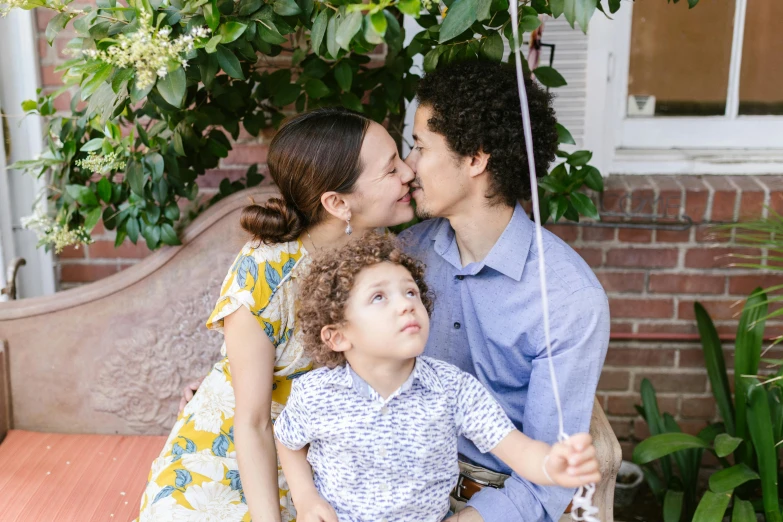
pixel 570 60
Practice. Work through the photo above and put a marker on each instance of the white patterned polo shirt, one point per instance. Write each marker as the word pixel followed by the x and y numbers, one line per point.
pixel 392 460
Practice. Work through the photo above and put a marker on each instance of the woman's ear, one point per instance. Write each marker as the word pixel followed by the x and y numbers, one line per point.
pixel 333 337
pixel 335 204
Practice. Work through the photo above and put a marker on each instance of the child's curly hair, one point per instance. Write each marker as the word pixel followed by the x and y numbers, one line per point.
pixel 326 288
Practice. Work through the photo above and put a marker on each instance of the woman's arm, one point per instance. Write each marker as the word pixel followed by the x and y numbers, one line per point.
pixel 569 464
pixel 251 358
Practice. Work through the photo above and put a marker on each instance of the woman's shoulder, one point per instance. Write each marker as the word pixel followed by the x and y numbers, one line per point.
pixel 263 252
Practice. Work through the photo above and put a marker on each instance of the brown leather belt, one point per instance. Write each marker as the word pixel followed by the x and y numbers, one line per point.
pixel 468 486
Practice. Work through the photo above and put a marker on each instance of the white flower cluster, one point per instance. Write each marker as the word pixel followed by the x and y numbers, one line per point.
pixel 149 50
pixel 100 164
pixel 49 231
pixel 7 5
pixel 427 4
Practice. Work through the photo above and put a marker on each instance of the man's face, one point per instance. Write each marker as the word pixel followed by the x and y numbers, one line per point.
pixel 441 176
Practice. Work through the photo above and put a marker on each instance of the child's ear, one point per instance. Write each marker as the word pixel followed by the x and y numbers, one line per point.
pixel 333 337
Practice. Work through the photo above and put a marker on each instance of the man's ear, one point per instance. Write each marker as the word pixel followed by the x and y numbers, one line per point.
pixel 333 337
pixel 478 163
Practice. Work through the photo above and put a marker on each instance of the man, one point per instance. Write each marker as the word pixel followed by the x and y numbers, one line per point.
pixel 471 170
pixel 482 264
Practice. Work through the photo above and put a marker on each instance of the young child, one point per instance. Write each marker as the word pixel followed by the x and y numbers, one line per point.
pixel 382 421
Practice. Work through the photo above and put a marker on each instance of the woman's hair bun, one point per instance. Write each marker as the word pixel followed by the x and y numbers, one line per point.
pixel 273 222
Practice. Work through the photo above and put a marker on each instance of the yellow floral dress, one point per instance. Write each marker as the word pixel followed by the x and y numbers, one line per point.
pixel 196 475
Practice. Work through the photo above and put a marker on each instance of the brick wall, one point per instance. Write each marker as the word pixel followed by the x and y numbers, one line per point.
pixel 652 275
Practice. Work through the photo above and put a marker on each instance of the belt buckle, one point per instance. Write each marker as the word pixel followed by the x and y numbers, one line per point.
pixel 459 487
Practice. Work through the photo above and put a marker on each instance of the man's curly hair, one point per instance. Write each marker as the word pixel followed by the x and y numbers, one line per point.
pixel 325 289
pixel 476 107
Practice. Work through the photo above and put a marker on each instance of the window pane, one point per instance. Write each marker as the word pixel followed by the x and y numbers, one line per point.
pixel 681 56
pixel 761 74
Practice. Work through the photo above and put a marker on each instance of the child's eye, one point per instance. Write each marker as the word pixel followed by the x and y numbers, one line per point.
pixel 412 293
pixel 377 298
pixel 417 148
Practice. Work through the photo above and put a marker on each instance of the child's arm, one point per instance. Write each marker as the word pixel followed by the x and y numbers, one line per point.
pixel 570 464
pixel 310 506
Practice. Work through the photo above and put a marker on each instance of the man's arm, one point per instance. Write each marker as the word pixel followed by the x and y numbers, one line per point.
pixel 580 337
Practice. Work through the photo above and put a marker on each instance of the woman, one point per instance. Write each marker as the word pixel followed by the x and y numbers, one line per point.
pixel 339 173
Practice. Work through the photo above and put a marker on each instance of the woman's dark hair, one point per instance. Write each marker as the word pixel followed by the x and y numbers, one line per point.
pixel 475 106
pixel 312 153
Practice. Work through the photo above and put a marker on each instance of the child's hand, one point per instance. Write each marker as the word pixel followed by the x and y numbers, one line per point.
pixel 572 463
pixel 316 509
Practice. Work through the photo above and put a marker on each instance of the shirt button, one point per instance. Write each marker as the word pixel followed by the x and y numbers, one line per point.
pixel 460 277
pixel 457 326
pixel 384 487
pixel 385 410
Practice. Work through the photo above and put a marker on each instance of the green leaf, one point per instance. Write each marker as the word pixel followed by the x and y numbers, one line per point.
pixel 348 29
pixel 614 6
pixel 557 207
pixel 743 511
pixel 747 353
pixel 319 30
pixel 156 164
pixel 229 63
pixel 56 25
pixel 211 15
pixel 151 234
pixel 716 366
pixel 268 32
pixel 230 31
pixel 431 60
pixel 557 7
pixel 492 47
pixel 483 10
pixel 369 31
pixel 316 89
pixel 136 94
pixel 168 236
pixel 287 95
pixel 29 105
pixel 725 444
pixel 584 205
pixel 134 173
pixel 211 46
pixel 551 184
pixel 132 229
pixel 727 479
pixel 593 179
pixel 410 7
pixel 529 23
pixel 658 446
pixel 672 506
pixel 286 7
pixel 93 144
pixel 344 75
pixel 379 23
pixel 569 10
pixel 172 212
pixel 249 7
pixel 351 101
pixel 549 77
pixel 104 189
pixel 760 427
pixel 692 3
pixel 712 507
pixel 459 17
pixel 332 46
pixel 172 87
pixel 83 195
pixel 564 136
pixel 92 218
pixel 584 12
pixel 579 158
pixel 96 80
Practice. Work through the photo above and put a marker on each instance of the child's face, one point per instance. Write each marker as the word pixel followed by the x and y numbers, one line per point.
pixel 384 315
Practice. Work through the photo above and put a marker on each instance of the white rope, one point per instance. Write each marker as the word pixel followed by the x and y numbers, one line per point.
pixel 582 504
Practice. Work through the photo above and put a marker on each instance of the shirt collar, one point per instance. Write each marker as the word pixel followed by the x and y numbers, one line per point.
pixel 507 256
pixel 422 373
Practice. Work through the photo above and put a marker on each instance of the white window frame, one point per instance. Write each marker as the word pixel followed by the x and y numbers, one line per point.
pixel 728 144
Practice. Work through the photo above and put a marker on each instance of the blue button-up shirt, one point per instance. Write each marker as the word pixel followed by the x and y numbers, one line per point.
pixel 488 321
pixel 392 459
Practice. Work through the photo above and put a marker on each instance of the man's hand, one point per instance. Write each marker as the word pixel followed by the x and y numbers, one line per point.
pixel 315 509
pixel 572 463
pixel 188 392
pixel 466 515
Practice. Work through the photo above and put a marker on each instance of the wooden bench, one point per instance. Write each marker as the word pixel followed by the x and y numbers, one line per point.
pixel 90 378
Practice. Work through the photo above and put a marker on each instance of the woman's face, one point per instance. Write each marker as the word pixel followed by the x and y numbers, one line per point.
pixel 381 196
